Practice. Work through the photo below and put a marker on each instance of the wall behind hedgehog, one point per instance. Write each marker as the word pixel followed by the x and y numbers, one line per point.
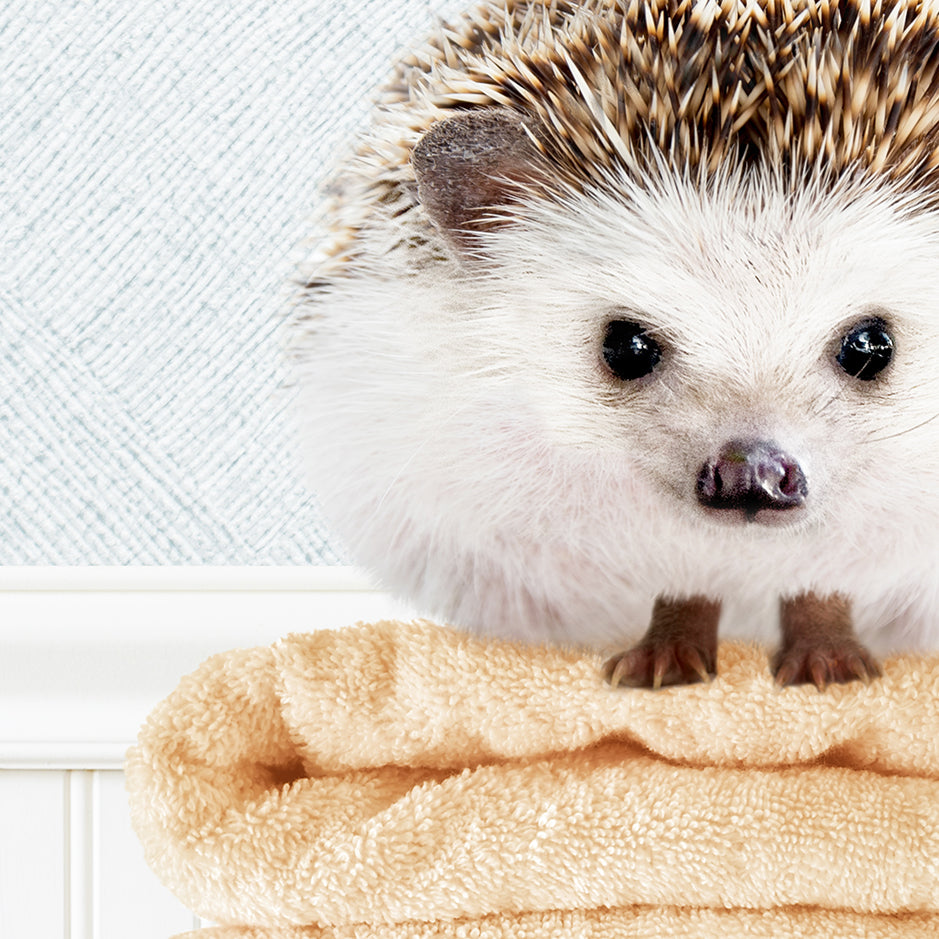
pixel 158 164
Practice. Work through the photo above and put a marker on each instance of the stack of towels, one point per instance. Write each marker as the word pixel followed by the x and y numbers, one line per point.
pixel 406 781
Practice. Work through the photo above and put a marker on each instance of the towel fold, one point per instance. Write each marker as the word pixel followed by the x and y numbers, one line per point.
pixel 406 781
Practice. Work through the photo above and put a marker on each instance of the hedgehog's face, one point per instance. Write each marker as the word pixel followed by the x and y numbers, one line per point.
pixel 754 352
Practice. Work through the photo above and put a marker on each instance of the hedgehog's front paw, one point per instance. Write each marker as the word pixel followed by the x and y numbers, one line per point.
pixel 680 647
pixel 824 662
pixel 660 664
pixel 818 643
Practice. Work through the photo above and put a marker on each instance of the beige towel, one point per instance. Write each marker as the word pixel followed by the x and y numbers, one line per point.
pixel 405 781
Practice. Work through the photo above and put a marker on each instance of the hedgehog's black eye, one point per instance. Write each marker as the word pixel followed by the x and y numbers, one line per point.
pixel 866 349
pixel 629 351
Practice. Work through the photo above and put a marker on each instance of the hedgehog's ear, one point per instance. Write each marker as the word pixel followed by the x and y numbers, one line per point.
pixel 468 165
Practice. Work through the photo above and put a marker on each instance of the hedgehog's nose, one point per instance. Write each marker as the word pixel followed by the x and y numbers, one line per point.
pixel 749 475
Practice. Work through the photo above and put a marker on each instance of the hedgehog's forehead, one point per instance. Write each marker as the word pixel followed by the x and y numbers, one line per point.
pixel 738 201
pixel 858 235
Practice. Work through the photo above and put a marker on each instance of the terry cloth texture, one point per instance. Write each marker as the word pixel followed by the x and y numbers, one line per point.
pixel 406 781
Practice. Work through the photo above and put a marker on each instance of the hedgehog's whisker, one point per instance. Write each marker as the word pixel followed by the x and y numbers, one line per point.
pixel 907 430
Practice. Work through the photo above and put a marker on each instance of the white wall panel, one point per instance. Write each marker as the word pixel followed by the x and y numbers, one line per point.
pixel 70 864
pixel 33 855
pixel 130 900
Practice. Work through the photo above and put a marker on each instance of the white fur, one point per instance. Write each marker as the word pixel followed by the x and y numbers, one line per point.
pixel 472 451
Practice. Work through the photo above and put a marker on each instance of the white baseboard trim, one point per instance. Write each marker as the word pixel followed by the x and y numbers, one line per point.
pixel 63 755
pixel 175 579
pixel 86 653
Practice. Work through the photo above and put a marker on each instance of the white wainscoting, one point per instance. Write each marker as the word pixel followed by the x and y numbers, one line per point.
pixel 85 654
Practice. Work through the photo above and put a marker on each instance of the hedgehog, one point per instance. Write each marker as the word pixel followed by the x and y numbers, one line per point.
pixel 618 332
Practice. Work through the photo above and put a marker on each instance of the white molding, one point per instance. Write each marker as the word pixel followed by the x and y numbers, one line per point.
pixel 86 653
pixel 63 755
pixel 187 579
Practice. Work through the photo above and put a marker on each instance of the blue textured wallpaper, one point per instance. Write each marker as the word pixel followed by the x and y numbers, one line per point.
pixel 158 164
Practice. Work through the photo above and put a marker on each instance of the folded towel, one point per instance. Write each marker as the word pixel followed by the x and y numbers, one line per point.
pixel 406 781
